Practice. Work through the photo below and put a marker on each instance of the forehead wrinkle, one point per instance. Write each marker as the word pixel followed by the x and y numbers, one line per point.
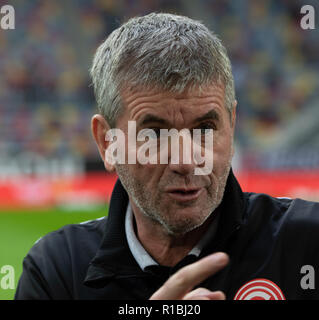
pixel 193 100
pixel 139 109
pixel 139 101
pixel 154 103
pixel 131 98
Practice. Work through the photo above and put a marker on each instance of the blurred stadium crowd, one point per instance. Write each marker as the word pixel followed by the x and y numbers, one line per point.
pixel 45 96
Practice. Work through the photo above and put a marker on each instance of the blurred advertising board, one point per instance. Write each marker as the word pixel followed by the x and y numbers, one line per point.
pixel 82 192
pixel 94 188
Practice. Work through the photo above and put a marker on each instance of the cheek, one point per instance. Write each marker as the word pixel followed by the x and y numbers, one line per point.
pixel 147 175
pixel 222 150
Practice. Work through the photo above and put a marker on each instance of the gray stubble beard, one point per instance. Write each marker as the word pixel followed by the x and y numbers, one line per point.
pixel 137 193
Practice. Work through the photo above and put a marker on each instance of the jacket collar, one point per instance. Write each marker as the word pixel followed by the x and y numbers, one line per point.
pixel 231 210
pixel 114 257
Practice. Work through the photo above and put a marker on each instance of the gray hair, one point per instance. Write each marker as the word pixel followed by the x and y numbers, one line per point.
pixel 162 50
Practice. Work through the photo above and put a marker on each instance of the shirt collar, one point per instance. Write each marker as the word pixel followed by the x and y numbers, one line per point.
pixel 142 257
pixel 139 253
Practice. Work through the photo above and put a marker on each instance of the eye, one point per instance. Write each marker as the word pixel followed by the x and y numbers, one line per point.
pixel 150 133
pixel 205 127
pixel 154 133
pixel 157 132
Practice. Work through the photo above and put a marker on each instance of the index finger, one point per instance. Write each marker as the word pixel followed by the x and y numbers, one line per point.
pixel 188 277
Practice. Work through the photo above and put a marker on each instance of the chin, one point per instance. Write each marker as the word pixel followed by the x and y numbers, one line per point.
pixel 185 224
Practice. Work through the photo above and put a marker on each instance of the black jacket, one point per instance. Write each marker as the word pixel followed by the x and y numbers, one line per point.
pixel 265 237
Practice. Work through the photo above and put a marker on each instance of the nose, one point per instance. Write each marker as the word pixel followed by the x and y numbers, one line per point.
pixel 182 169
pixel 181 154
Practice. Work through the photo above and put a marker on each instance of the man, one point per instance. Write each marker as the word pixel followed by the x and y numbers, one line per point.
pixel 171 233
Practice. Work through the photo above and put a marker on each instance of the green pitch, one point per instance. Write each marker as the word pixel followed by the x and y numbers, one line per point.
pixel 19 231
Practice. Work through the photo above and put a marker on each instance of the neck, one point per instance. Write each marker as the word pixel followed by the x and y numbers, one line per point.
pixel 165 248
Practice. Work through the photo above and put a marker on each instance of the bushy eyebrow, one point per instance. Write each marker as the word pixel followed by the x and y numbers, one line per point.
pixel 210 115
pixel 149 118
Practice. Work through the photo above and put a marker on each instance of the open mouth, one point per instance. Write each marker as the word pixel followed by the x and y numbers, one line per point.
pixel 184 194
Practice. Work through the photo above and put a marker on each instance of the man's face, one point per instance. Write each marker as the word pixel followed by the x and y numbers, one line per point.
pixel 170 194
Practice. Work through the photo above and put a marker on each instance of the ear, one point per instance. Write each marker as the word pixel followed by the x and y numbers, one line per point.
pixel 233 123
pixel 99 128
pixel 233 115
